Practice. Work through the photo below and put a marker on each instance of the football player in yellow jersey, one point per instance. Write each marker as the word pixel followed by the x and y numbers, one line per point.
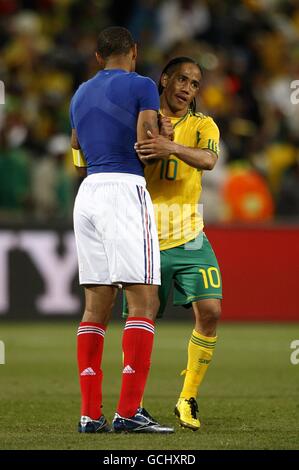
pixel 174 182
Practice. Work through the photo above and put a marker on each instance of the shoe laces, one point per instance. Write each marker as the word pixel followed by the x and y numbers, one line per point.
pixel 193 407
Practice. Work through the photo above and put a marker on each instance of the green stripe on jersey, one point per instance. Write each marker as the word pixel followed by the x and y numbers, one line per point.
pixel 212 145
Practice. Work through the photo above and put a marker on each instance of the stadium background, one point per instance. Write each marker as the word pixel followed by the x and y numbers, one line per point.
pixel 249 52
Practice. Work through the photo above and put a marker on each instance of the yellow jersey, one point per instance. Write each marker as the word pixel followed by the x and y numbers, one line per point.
pixel 175 186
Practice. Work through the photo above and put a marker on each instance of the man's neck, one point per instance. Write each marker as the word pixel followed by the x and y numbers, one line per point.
pixel 168 112
pixel 118 64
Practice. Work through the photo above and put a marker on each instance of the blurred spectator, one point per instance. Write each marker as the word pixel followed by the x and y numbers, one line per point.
pixel 15 180
pixel 52 185
pixel 212 194
pixel 248 51
pixel 181 20
pixel 144 26
pixel 288 196
pixel 247 196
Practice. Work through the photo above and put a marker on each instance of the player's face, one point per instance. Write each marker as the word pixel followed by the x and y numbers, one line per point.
pixel 181 87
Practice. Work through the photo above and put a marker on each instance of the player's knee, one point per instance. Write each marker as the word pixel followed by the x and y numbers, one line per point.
pixel 155 308
pixel 215 313
pixel 98 314
pixel 151 307
pixel 157 303
pixel 210 313
pixel 112 303
pixel 90 315
pixel 147 307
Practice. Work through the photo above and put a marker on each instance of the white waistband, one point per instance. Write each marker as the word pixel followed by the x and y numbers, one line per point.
pixel 113 177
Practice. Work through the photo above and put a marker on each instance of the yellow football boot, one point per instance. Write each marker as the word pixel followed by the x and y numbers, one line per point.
pixel 186 411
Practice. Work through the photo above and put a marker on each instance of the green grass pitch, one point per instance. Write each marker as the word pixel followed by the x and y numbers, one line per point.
pixel 249 399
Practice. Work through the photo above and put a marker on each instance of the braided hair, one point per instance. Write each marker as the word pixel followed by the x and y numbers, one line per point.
pixel 171 67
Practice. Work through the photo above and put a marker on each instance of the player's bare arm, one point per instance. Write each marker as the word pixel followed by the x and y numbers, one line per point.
pixel 161 147
pixel 147 126
pixel 147 122
pixel 198 158
pixel 78 157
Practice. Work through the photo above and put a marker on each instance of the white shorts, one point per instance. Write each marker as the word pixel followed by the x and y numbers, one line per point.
pixel 115 231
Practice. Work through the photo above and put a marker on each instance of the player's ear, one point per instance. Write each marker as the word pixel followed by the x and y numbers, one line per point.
pixel 100 60
pixel 134 50
pixel 164 80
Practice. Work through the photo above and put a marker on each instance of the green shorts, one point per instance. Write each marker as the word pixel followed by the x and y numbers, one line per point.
pixel 193 271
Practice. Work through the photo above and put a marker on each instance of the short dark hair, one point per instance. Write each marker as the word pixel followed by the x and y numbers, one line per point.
pixel 171 67
pixel 114 41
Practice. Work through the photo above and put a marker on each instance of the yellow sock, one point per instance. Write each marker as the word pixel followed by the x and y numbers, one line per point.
pixel 200 352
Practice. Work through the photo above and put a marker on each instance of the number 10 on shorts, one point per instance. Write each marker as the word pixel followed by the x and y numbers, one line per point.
pixel 211 277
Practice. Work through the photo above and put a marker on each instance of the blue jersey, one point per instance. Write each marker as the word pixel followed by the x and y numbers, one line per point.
pixel 104 111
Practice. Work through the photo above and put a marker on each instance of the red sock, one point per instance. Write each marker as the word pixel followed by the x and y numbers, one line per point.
pixel 137 344
pixel 89 354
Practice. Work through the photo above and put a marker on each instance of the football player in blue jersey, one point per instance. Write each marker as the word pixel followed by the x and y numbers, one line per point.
pixel 116 237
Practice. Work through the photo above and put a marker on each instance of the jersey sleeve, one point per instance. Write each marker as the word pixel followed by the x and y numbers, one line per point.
pixel 147 94
pixel 208 135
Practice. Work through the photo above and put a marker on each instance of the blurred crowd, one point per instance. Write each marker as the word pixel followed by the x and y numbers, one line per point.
pixel 248 51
